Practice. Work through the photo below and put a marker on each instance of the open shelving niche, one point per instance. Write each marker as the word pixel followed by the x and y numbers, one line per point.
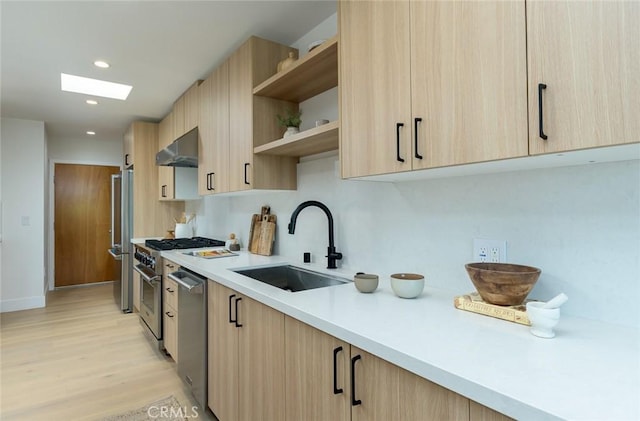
pixel 313 74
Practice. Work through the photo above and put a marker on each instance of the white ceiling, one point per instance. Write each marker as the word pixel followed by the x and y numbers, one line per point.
pixel 159 47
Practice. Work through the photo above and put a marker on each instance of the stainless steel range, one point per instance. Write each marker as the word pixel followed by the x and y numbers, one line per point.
pixel 149 266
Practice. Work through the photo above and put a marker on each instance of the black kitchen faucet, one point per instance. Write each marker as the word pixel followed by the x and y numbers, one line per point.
pixel 332 254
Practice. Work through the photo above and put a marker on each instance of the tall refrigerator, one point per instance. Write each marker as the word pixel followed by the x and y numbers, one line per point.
pixel 121 231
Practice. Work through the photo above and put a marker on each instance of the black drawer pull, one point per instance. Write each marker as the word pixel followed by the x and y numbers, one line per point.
pixel 169 290
pixel 236 320
pixel 398 127
pixel 354 401
pixel 541 87
pixel 336 390
pixel 169 314
pixel 246 165
pixel 415 126
pixel 230 318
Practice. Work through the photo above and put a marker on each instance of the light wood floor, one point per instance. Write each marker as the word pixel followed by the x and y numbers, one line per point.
pixel 80 358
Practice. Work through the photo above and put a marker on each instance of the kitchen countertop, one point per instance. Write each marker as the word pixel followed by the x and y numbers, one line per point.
pixel 590 370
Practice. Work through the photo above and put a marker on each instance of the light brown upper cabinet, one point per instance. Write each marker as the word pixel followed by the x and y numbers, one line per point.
pixel 252 119
pixel 185 111
pixel 213 130
pixel 151 218
pixel 430 84
pixel 584 73
pixel 234 115
pixel 127 148
pixel 165 174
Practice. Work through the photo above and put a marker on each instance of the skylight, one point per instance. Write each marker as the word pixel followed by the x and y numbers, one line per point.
pixel 95 87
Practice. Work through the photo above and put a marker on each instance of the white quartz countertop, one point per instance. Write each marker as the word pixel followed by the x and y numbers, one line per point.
pixel 589 371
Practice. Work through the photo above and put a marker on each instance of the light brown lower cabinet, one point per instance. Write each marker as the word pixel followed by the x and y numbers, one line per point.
pixel 330 379
pixel 317 374
pixel 246 372
pixel 136 291
pixel 170 310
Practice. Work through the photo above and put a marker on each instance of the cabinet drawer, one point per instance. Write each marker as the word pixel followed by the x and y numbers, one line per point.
pixel 170 331
pixel 169 293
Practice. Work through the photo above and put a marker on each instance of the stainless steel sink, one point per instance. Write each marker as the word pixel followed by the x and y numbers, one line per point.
pixel 292 278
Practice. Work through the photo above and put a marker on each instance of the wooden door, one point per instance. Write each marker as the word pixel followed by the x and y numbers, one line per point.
pixel 213 156
pixel 261 362
pixel 468 81
pixel 377 386
pixel 310 374
pixel 587 54
pixel 375 87
pixel 82 224
pixel 222 354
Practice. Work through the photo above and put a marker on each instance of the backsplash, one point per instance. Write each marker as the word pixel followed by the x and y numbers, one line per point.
pixel 579 224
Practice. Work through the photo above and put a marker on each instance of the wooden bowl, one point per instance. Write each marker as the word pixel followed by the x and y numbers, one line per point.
pixel 503 284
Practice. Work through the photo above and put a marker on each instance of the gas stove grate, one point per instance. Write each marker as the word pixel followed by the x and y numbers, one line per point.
pixel 183 243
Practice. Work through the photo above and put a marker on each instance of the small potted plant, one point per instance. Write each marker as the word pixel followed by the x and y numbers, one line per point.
pixel 291 120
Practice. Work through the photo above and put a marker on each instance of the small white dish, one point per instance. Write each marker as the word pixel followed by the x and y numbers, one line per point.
pixel 407 285
pixel 543 320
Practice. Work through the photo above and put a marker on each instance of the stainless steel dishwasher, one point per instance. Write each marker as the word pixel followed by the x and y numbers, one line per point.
pixel 192 332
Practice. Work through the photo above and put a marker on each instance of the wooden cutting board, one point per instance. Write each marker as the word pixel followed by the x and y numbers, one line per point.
pixel 262 233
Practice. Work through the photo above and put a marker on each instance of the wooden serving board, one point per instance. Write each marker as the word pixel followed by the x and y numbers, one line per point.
pixel 474 303
pixel 262 232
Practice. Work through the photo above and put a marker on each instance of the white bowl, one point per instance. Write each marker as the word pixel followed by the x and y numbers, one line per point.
pixel 407 285
pixel 543 320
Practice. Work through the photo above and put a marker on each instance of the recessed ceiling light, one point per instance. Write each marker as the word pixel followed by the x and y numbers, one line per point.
pixel 92 102
pixel 91 133
pixel 101 64
pixel 94 87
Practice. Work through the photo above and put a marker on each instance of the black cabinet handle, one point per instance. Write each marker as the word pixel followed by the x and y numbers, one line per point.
pixel 336 390
pixel 230 318
pixel 246 164
pixel 354 401
pixel 236 320
pixel 170 290
pixel 126 159
pixel 211 175
pixel 208 181
pixel 164 190
pixel 541 87
pixel 398 126
pixel 169 314
pixel 415 125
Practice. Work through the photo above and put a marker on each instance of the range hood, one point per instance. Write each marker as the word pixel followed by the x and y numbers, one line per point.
pixel 183 152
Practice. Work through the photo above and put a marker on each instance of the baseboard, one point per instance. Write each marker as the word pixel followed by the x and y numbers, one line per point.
pixel 22 304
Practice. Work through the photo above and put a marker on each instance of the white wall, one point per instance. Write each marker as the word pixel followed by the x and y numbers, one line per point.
pixel 86 150
pixel 23 179
pixel 580 224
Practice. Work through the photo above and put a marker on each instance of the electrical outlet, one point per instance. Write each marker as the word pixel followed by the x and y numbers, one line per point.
pixel 494 251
